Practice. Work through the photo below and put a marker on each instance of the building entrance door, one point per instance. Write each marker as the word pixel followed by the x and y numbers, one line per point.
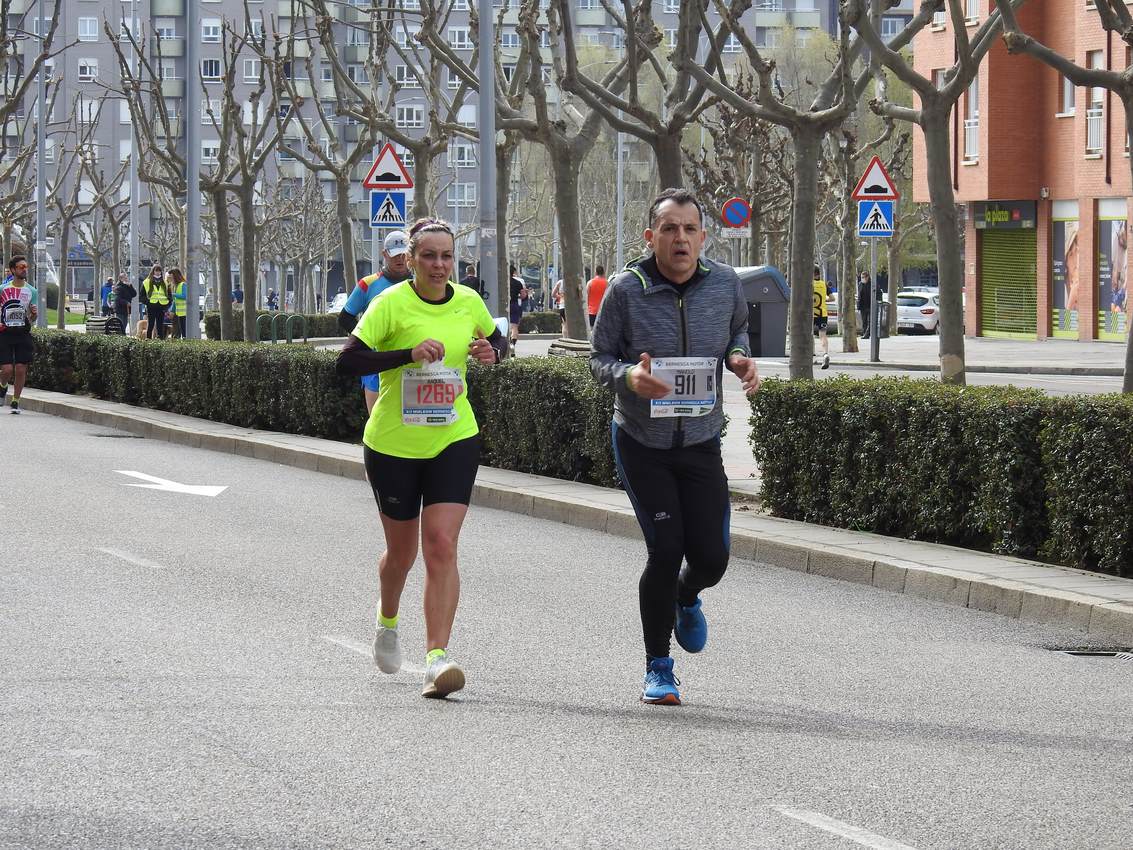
pixel 1008 284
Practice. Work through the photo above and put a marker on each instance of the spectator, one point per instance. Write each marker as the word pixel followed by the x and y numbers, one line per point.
pixel 124 295
pixel 237 295
pixel 178 287
pixel 156 297
pixel 106 297
pixel 595 290
pixel 515 304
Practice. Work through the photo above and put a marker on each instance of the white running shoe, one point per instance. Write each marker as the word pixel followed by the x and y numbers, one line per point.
pixel 825 361
pixel 442 677
pixel 387 650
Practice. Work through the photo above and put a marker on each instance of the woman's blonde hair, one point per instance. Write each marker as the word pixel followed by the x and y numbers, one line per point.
pixel 427 225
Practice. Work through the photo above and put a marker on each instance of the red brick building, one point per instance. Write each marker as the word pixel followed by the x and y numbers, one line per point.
pixel 1043 170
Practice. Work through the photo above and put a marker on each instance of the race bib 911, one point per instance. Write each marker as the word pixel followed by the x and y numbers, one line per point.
pixel 428 395
pixel 693 380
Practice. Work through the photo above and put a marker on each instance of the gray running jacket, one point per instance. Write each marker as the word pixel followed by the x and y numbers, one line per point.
pixel 707 318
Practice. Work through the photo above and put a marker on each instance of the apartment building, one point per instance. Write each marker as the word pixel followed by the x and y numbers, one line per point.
pixel 89 68
pixel 1042 168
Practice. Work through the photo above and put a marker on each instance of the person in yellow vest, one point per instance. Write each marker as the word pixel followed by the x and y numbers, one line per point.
pixel 179 289
pixel 155 294
pixel 821 314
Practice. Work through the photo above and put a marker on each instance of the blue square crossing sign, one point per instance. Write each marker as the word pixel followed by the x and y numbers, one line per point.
pixel 875 218
pixel 387 209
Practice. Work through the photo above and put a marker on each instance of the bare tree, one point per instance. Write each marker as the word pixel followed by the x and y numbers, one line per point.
pixel 101 231
pixel 660 125
pixel 1116 20
pixel 937 100
pixel 18 75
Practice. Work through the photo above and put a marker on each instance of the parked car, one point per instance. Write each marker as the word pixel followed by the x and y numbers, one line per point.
pixel 337 303
pixel 917 311
pixel 832 316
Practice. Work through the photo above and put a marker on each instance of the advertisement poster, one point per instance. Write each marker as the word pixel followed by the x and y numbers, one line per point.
pixel 1113 306
pixel 1064 248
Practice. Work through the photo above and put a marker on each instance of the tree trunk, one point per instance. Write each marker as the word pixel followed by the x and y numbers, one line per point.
pixel 805 143
pixel 61 304
pixel 346 230
pixel 505 161
pixel 6 244
pixel 249 267
pixel 422 182
pixel 116 249
pixel 565 170
pixel 847 284
pixel 669 159
pixel 755 239
pixel 950 259
pixel 219 199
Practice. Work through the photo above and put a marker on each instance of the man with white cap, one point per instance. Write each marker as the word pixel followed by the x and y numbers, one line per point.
pixel 395 268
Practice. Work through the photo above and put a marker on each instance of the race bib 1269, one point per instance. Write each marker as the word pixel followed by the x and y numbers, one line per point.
pixel 428 395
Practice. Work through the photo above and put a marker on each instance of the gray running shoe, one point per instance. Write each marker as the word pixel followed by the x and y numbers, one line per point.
pixel 825 361
pixel 442 677
pixel 387 650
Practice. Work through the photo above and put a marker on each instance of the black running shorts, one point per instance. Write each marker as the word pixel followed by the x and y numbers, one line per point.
pixel 16 348
pixel 402 484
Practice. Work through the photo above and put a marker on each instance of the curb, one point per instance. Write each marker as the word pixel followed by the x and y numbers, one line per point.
pixel 834 553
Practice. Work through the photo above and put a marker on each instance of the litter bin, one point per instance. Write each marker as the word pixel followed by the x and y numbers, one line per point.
pixel 883 320
pixel 768 298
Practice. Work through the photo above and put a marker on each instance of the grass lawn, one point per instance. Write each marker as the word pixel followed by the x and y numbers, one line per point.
pixel 71 318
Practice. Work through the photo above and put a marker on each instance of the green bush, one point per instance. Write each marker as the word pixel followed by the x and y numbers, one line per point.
pixel 318 324
pixel 912 459
pixel 1086 443
pixel 540 415
pixel 540 323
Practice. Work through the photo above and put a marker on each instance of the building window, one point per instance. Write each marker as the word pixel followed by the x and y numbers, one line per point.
pixel 971 11
pixel 460 5
pixel 208 105
pixel 509 39
pixel 453 79
pixel 357 74
pixel 732 45
pixel 252 70
pixel 255 29
pixel 458 38
pixel 891 27
pixel 167 70
pixel 210 30
pixel 172 107
pixel 405 77
pixel 1095 108
pixel 326 73
pixel 124 116
pixel 210 69
pixel 407 158
pixel 410 117
pixel 88 70
pixel 1066 103
pixel 165 28
pixel 357 37
pixel 124 148
pixel 406 35
pixel 462 195
pixel 586 5
pixel 210 152
pixel 972 122
pixel 87 110
pixel 88 29
pixel 461 155
pixel 767 36
pixel 672 7
pixel 671 38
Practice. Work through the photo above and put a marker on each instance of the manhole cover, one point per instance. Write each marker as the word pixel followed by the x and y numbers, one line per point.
pixel 1123 653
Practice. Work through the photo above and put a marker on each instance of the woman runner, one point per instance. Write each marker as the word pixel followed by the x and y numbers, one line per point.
pixel 422 443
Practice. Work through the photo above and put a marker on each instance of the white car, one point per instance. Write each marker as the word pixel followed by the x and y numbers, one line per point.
pixel 917 311
pixel 337 303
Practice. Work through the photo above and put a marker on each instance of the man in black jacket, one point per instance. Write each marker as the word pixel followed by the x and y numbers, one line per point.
pixel 124 295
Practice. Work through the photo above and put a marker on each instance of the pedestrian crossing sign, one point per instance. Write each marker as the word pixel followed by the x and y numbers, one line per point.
pixel 875 218
pixel 387 209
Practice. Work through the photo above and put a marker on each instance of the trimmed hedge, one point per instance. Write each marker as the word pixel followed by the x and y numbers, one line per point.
pixel 994 468
pixel 543 415
pixel 318 324
pixel 540 323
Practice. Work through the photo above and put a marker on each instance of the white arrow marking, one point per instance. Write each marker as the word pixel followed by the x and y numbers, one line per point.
pixel 845 830
pixel 364 649
pixel 131 559
pixel 171 486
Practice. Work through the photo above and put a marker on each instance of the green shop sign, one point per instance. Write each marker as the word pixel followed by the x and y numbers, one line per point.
pixel 1005 215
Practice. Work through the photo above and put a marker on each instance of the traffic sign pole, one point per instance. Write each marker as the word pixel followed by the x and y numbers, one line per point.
pixel 875 305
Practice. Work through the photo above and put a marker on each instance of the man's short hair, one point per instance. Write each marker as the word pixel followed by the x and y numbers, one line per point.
pixel 677 196
pixel 599 271
pixel 16 260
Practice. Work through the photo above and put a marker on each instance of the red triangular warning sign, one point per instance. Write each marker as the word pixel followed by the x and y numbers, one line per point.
pixel 387 172
pixel 875 185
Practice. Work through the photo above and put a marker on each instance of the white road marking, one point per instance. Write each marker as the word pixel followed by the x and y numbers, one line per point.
pixel 365 649
pixel 844 830
pixel 131 559
pixel 172 486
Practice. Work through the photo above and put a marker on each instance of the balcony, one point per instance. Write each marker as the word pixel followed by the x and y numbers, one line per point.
pixel 19 7
pixel 291 168
pixel 170 48
pixel 971 139
pixel 355 53
pixel 1095 130
pixel 172 88
pixel 801 19
pixel 167 8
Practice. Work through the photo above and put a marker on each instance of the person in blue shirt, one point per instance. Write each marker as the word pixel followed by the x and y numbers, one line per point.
pixel 395 268
pixel 106 297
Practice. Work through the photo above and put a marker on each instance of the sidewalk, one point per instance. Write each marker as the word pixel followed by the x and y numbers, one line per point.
pixel 1101 606
pixel 1003 356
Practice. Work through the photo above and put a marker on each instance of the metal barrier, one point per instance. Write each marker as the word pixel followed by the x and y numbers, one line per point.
pixel 291 320
pixel 265 318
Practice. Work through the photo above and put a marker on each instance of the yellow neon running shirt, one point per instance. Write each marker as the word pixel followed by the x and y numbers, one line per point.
pixel 398 319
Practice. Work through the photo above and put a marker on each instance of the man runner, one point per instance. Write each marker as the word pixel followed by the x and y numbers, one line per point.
pixel 395 269
pixel 668 325
pixel 821 315
pixel 18 312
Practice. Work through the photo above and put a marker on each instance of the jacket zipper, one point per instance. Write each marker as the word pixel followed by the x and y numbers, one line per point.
pixel 679 436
